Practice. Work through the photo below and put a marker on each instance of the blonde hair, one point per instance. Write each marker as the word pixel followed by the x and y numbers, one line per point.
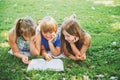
pixel 25 26
pixel 48 24
pixel 72 27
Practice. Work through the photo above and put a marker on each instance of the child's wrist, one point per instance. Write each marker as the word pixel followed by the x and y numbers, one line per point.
pixel 50 41
pixel 72 44
pixel 44 54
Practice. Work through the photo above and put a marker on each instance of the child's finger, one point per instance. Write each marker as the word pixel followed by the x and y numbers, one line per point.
pixel 49 58
pixel 25 59
pixel 28 62
pixel 34 38
pixel 53 34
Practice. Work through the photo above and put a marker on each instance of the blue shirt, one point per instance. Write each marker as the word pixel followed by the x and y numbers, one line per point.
pixel 56 42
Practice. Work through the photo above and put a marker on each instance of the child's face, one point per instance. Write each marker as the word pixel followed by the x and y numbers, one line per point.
pixel 68 37
pixel 49 35
pixel 26 38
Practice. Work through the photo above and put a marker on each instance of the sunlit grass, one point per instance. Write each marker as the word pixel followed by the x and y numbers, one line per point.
pixel 4 33
pixel 108 2
pixel 105 2
pixel 115 26
pixel 100 18
pixel 3 45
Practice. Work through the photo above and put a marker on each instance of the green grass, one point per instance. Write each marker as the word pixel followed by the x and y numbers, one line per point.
pixel 99 20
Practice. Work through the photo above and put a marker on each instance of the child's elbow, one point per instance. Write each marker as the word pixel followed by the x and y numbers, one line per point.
pixel 37 53
pixel 67 55
pixel 57 53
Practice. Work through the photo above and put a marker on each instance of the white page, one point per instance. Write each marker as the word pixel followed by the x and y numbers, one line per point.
pixel 41 64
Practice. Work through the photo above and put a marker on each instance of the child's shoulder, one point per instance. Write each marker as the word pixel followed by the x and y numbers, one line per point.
pixel 11 32
pixel 87 36
pixel 11 35
pixel 87 39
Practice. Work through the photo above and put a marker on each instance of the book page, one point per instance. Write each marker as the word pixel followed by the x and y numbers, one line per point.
pixel 41 64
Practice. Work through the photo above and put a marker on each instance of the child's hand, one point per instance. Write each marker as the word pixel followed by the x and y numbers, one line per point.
pixel 25 59
pixel 75 40
pixel 82 57
pixel 34 38
pixel 29 61
pixel 48 57
pixel 53 35
pixel 72 57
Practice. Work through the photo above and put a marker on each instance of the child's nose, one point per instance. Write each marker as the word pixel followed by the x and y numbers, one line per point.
pixel 48 34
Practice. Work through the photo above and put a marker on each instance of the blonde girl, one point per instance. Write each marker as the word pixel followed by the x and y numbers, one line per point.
pixel 50 38
pixel 23 39
pixel 75 41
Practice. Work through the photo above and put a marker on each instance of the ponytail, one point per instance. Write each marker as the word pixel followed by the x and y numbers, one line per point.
pixel 17 27
pixel 24 26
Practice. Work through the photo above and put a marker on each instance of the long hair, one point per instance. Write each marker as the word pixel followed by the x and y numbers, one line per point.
pixel 25 26
pixel 73 28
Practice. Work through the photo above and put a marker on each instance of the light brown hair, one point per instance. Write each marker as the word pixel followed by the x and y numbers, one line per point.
pixel 73 28
pixel 48 24
pixel 25 26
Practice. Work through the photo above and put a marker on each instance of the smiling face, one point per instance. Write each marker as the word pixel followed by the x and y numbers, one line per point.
pixel 48 35
pixel 48 27
pixel 68 37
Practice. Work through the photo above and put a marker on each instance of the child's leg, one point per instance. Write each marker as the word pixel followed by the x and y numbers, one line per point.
pixel 23 52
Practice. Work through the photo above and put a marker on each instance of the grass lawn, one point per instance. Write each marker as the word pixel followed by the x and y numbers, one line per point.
pixel 100 18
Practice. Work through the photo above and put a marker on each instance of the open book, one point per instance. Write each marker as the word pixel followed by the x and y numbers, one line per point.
pixel 42 64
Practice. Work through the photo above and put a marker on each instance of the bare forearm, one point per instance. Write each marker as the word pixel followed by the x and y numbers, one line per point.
pixel 72 57
pixel 33 50
pixel 44 53
pixel 69 55
pixel 18 54
pixel 53 48
pixel 75 49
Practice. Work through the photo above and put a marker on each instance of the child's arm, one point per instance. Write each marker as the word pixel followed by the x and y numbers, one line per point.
pixel 81 54
pixel 44 53
pixel 15 49
pixel 86 44
pixel 75 50
pixel 69 55
pixel 35 43
pixel 54 50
